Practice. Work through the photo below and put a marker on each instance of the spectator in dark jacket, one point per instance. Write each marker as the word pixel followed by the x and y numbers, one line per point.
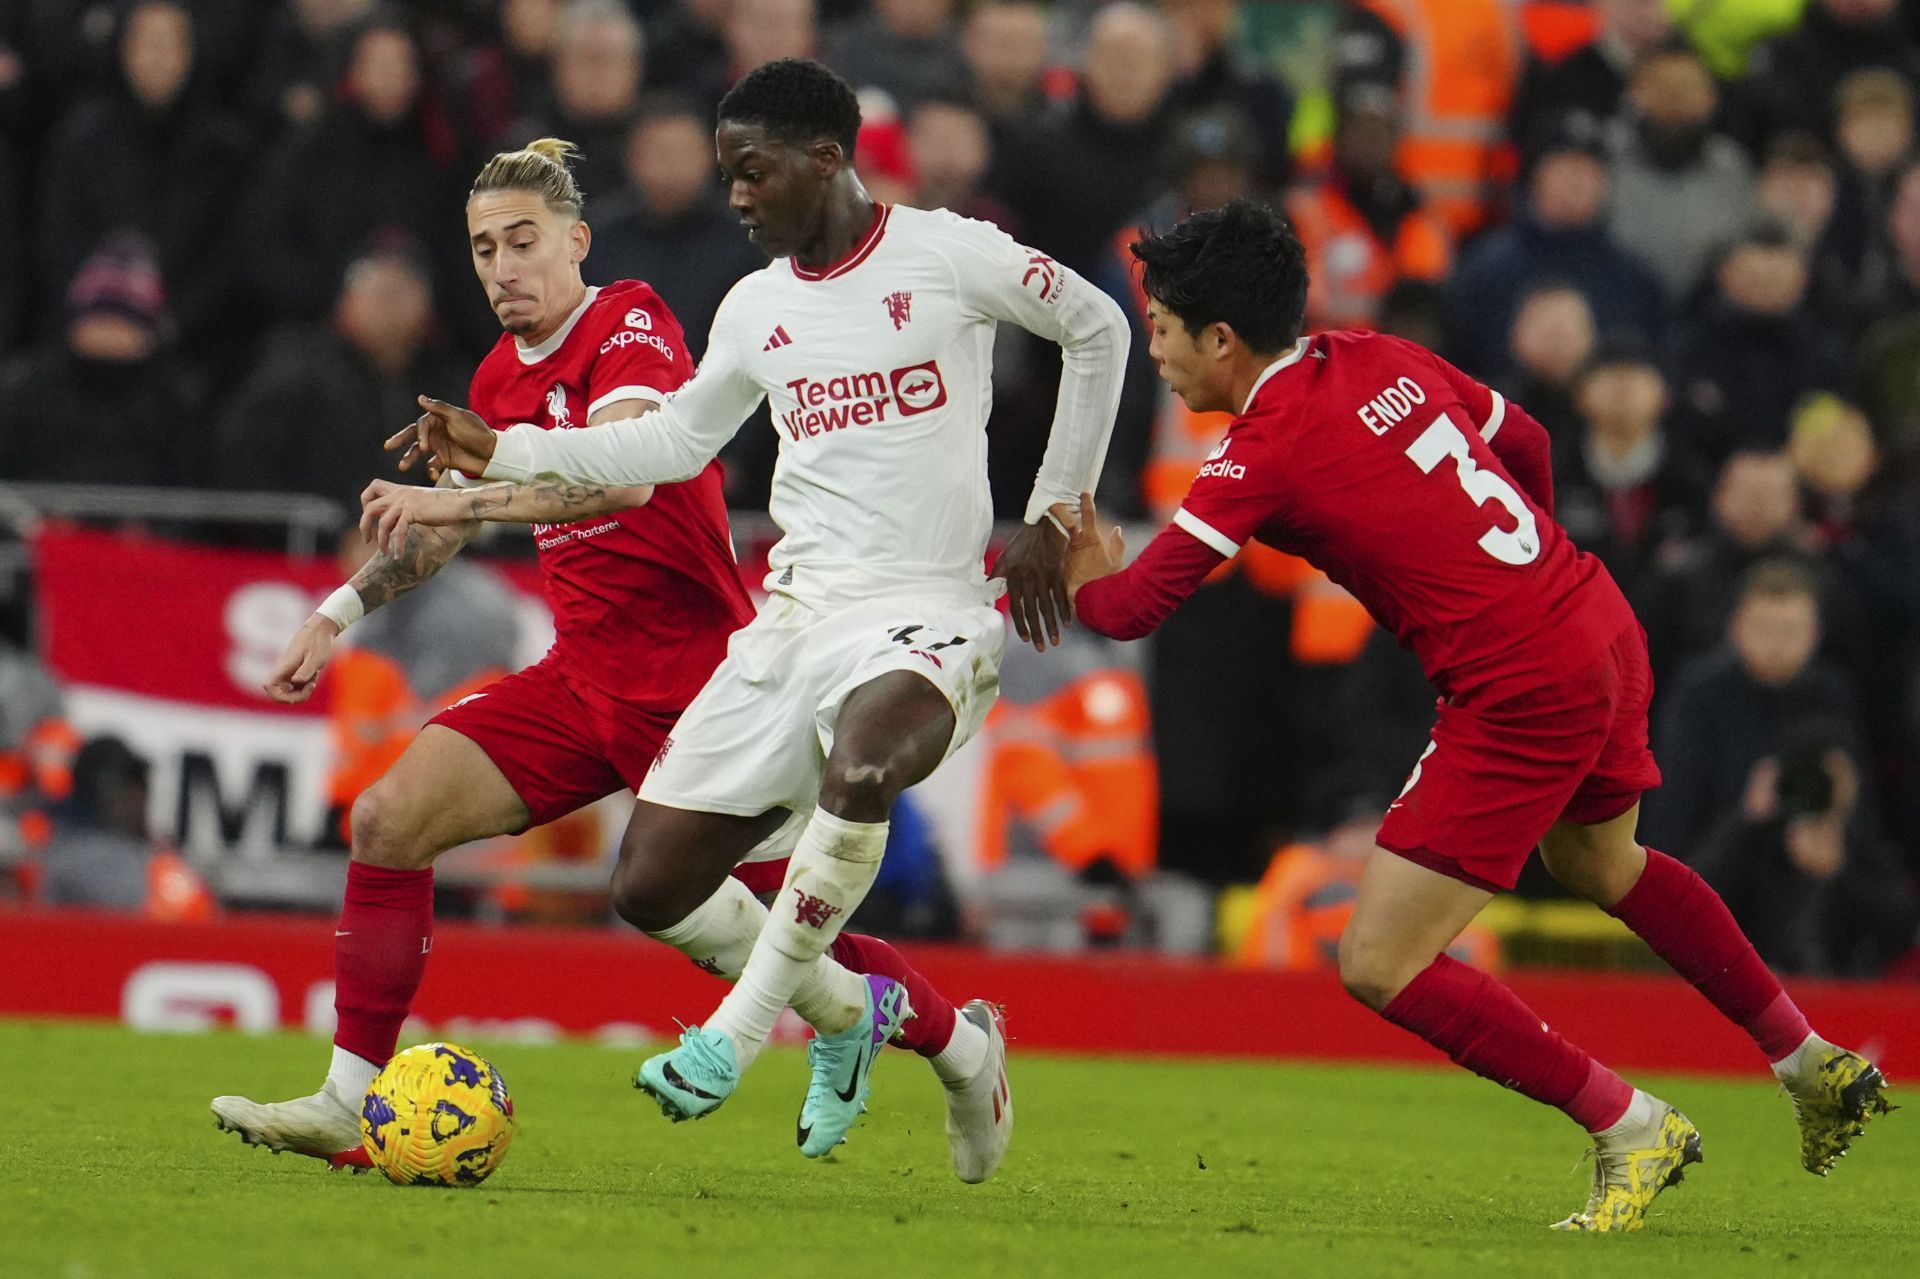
pixel 1592 79
pixel 668 227
pixel 377 169
pixel 687 45
pixel 1074 179
pixel 1553 338
pixel 354 378
pixel 1621 488
pixel 1004 43
pixel 1791 80
pixel 303 54
pixel 510 80
pixel 101 402
pixel 1560 235
pixel 1754 349
pixel 1733 711
pixel 147 157
pixel 598 57
pixel 904 48
pixel 1215 74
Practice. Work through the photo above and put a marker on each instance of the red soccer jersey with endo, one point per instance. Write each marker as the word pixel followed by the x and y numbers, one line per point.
pixel 1429 497
pixel 643 600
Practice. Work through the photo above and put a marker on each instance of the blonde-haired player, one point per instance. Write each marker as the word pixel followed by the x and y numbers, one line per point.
pixel 645 593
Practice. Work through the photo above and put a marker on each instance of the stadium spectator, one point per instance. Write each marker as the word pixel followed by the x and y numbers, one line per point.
pixel 1621 487
pixel 355 377
pixel 668 226
pixel 1831 445
pixel 1364 229
pixel 510 79
pixel 1591 80
pixel 100 401
pixel 904 48
pixel 1215 73
pixel 688 41
pixel 1803 871
pixel 1791 80
pixel 1552 339
pixel 598 53
pixel 302 57
pixel 1004 44
pixel 1562 235
pixel 137 158
pixel 1455 63
pixel 101 854
pixel 1753 349
pixel 761 31
pixel 1798 185
pixel 377 168
pixel 1875 133
pixel 952 149
pixel 1733 709
pixel 1074 179
pixel 1679 187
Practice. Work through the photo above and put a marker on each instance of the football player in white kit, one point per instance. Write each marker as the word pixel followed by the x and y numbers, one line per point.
pixel 877 651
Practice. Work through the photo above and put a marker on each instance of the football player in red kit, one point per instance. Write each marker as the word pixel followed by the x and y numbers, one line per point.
pixel 645 593
pixel 1429 497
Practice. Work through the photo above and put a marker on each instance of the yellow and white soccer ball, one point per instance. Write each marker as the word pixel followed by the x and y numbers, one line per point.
pixel 437 1115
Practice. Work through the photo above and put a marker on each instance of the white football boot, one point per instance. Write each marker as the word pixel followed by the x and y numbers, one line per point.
pixel 321 1126
pixel 980 1110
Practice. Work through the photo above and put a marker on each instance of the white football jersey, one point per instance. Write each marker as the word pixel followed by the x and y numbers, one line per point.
pixel 878 370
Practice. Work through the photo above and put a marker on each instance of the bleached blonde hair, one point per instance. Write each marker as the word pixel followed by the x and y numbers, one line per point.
pixel 544 166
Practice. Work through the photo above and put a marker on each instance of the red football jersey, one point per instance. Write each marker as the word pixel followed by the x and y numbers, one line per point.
pixel 1408 483
pixel 643 600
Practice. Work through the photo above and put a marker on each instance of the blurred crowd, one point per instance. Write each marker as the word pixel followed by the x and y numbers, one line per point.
pixel 1686 237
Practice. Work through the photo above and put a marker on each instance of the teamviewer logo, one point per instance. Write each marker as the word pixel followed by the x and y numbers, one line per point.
pixel 918 388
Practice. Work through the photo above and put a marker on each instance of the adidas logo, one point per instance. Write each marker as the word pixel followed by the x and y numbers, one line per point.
pixel 778 340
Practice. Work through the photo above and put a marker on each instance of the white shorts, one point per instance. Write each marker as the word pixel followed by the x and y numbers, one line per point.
pixel 757 736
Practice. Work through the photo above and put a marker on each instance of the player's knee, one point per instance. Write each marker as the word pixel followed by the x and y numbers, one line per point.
pixel 859 790
pixel 387 830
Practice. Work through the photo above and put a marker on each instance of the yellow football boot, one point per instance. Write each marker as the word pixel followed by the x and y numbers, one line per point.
pixel 1625 1180
pixel 1833 1102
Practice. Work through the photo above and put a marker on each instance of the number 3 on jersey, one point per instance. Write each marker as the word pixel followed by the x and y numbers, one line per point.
pixel 1443 440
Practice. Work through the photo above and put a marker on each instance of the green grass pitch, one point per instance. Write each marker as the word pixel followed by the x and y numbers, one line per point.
pixel 110 1166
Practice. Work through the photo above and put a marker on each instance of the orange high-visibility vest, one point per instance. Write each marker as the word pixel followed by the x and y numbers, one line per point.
pixel 1349 269
pixel 1462 64
pixel 175 893
pixel 1302 905
pixel 1077 768
pixel 375 715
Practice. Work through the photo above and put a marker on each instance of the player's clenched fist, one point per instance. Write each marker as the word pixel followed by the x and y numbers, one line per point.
pixel 445 436
pixel 299 667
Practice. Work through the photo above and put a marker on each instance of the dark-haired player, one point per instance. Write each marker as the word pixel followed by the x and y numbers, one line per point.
pixel 1429 497
pixel 645 592
pixel 878 650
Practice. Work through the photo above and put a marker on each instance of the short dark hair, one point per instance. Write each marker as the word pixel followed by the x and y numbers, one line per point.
pixel 1780 577
pixel 1239 265
pixel 797 101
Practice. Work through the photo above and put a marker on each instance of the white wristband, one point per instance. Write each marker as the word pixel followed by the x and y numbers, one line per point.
pixel 343 608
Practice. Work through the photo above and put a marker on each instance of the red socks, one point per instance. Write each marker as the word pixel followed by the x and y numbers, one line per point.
pixel 379 952
pixel 1483 1026
pixel 932 1024
pixel 1685 922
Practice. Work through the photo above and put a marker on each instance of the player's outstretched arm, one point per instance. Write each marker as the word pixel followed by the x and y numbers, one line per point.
pixel 1128 603
pixel 389 511
pixel 388 575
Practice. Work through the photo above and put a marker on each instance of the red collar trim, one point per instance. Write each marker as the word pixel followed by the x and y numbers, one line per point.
pixel 860 252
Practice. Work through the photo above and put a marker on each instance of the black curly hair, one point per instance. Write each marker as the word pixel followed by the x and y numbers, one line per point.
pixel 1240 264
pixel 797 101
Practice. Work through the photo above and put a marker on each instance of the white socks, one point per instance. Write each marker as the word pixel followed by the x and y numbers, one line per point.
pixel 1631 1127
pixel 719 935
pixel 1802 1060
pixel 832 870
pixel 964 1054
pixel 348 1078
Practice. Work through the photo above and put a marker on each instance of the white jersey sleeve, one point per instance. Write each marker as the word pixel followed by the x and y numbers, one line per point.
pixel 999 278
pixel 672 443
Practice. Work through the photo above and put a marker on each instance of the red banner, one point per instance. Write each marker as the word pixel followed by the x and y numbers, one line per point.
pixel 268 972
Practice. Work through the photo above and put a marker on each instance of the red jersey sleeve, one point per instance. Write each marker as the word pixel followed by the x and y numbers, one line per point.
pixel 1521 443
pixel 643 357
pixel 1238 491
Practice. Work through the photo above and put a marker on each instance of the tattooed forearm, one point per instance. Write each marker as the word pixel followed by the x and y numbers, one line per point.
pixel 387 577
pixel 547 499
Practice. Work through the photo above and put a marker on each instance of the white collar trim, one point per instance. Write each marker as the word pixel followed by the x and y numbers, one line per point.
pixel 535 354
pixel 1294 356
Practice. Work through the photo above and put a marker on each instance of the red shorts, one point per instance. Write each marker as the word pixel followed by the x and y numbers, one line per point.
pixel 1506 763
pixel 559 744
